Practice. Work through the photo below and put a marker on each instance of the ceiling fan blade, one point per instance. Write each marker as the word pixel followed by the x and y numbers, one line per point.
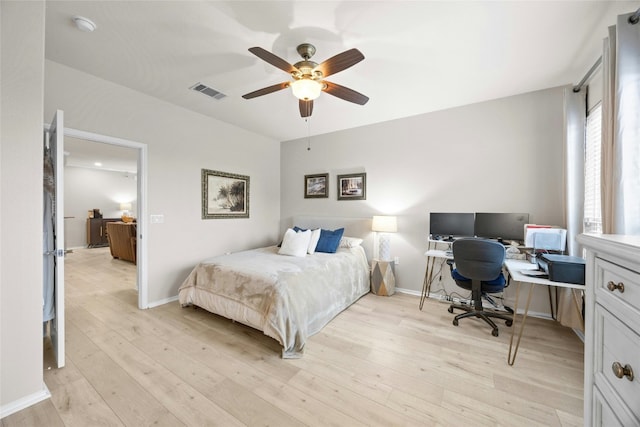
pixel 345 93
pixel 272 59
pixel 266 90
pixel 340 62
pixel 306 108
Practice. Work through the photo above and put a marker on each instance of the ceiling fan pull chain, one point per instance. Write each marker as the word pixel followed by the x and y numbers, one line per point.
pixel 308 133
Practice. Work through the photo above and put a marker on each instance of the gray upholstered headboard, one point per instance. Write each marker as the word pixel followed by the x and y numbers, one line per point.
pixel 353 227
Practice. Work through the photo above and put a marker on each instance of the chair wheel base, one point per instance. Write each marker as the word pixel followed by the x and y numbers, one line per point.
pixel 508 322
pixel 450 309
pixel 455 322
pixel 494 332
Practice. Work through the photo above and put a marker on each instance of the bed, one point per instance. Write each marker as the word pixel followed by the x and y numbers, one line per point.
pixel 288 298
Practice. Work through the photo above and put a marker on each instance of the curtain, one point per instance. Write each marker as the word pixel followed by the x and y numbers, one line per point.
pixel 621 129
pixel 608 132
pixel 575 117
pixel 575 122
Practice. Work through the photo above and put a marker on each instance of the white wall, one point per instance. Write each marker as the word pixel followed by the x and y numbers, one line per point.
pixel 180 144
pixel 86 189
pixel 497 156
pixel 21 76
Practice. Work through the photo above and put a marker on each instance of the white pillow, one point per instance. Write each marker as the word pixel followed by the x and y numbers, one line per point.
pixel 295 244
pixel 313 241
pixel 350 242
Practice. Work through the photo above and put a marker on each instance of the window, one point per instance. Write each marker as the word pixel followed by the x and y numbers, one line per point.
pixel 593 150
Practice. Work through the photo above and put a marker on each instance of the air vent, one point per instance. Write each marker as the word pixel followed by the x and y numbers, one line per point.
pixel 199 87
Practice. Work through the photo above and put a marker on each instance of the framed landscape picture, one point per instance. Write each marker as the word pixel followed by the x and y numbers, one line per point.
pixel 224 195
pixel 352 186
pixel 316 186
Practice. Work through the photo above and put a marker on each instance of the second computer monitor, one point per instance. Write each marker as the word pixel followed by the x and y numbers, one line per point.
pixel 503 226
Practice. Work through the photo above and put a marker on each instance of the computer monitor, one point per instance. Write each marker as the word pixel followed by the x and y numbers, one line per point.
pixel 445 224
pixel 502 226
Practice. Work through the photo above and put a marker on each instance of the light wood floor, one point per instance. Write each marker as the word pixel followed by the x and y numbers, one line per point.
pixel 381 362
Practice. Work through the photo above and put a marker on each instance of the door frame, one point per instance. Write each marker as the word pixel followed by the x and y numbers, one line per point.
pixel 141 202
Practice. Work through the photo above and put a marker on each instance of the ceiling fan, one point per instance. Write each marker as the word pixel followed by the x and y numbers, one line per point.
pixel 308 76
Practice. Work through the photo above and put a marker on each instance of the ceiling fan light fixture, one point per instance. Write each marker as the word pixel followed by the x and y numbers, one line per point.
pixel 306 89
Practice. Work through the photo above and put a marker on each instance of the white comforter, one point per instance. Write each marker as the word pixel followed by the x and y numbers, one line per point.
pixel 288 298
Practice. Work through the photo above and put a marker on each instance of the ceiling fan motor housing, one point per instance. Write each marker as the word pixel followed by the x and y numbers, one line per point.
pixel 306 70
pixel 306 50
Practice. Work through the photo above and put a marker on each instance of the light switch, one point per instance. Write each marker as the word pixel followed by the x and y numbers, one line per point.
pixel 157 219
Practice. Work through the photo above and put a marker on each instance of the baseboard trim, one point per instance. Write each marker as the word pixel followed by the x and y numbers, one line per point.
pixel 25 402
pixel 408 291
pixel 579 333
pixel 163 301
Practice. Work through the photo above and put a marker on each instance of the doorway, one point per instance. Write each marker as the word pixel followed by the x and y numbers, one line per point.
pixel 138 208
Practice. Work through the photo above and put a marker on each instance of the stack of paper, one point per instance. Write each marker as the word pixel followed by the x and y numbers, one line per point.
pixel 545 237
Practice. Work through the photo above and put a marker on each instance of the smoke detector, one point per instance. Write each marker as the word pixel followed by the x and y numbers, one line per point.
pixel 84 24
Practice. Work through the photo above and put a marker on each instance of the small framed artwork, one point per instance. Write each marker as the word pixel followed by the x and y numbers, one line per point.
pixel 316 186
pixel 224 195
pixel 352 186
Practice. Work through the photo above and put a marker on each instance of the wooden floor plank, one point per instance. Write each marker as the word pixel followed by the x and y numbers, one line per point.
pixel 380 362
pixel 308 409
pixel 172 392
pixel 79 404
pixel 40 414
pixel 365 410
pixel 126 397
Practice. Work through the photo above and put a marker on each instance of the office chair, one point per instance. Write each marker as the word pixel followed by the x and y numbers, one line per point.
pixel 478 268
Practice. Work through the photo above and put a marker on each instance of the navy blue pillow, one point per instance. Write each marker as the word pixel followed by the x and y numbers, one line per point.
pixel 329 240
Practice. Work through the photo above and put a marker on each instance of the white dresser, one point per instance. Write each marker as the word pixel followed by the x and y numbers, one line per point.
pixel 612 330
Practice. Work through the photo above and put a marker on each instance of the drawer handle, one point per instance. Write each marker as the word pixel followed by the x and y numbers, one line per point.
pixel 612 286
pixel 620 371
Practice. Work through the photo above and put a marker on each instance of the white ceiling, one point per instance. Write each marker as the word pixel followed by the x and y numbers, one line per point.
pixel 420 56
pixel 85 154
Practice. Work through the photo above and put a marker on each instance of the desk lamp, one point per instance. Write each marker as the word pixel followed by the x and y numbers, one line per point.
pixel 384 225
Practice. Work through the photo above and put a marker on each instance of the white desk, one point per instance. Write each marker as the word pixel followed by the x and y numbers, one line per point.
pixel 514 268
pixel 432 255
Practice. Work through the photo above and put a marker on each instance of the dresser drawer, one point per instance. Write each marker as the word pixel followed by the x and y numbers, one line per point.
pixel 611 413
pixel 621 345
pixel 603 414
pixel 617 288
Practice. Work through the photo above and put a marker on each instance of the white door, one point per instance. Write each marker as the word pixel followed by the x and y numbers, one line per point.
pixel 54 230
